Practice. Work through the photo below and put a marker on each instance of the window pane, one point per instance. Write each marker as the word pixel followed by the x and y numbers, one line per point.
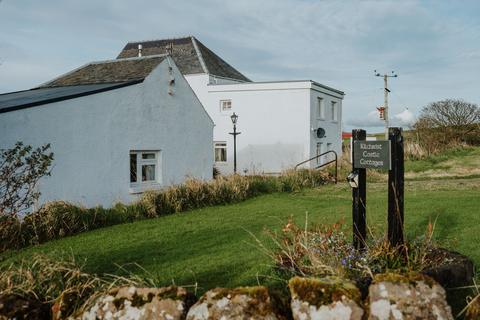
pixel 226 105
pixel 133 167
pixel 148 155
pixel 220 154
pixel 148 172
pixel 224 154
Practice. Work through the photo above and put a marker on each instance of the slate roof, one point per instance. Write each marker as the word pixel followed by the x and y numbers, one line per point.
pixel 111 71
pixel 190 55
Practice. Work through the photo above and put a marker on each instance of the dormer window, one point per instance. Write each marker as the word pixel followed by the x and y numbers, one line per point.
pixel 225 105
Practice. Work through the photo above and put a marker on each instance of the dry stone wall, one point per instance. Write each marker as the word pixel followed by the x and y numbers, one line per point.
pixel 391 297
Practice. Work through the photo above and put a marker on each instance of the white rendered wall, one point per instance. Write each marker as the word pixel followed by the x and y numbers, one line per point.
pixel 333 128
pixel 92 136
pixel 275 121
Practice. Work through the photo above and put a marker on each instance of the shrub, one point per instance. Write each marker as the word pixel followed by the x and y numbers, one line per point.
pixel 21 167
pixel 443 124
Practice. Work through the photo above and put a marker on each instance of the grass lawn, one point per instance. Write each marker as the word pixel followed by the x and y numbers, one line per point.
pixel 212 247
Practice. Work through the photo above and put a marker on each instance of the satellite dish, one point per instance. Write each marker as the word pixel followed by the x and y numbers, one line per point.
pixel 320 133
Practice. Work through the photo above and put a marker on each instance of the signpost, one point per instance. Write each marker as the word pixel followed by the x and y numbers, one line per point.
pixel 372 155
pixel 359 195
pixel 385 155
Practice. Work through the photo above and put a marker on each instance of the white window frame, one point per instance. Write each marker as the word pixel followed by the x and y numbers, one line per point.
pixel 334 110
pixel 225 102
pixel 140 186
pixel 320 108
pixel 220 145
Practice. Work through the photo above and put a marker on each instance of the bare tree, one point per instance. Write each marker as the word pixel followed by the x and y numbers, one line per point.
pixel 446 121
pixel 450 112
pixel 21 167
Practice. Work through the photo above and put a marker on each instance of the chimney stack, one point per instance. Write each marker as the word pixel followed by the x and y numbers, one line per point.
pixel 140 50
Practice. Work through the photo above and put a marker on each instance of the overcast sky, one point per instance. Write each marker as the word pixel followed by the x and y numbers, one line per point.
pixel 433 46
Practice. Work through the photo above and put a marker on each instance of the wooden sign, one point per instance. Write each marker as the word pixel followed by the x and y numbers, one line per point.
pixel 372 155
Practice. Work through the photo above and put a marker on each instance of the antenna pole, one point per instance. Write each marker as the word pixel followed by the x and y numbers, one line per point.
pixel 385 85
pixel 386 91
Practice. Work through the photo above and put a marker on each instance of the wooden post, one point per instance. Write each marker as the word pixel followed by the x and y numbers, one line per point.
pixel 395 188
pixel 359 197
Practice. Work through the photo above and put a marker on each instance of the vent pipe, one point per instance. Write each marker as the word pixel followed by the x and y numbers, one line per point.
pixel 140 50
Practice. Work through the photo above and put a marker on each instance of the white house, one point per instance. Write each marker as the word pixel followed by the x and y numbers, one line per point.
pixel 278 120
pixel 116 128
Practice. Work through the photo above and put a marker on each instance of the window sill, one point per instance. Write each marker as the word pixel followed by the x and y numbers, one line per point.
pixel 221 163
pixel 136 188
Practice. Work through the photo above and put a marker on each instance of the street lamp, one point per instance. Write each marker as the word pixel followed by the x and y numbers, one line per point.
pixel 234 118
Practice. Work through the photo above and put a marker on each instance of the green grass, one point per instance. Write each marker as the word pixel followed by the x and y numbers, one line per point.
pixel 466 158
pixel 211 246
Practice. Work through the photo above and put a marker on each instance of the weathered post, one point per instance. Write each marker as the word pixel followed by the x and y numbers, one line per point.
pixel 395 188
pixel 359 197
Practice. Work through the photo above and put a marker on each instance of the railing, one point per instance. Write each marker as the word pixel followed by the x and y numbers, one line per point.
pixel 323 164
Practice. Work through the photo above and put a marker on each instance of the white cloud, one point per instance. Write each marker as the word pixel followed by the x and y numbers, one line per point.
pixel 369 120
pixel 432 45
pixel 403 119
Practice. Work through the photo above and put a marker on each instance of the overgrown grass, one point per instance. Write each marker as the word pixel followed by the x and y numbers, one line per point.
pixel 59 219
pixel 212 246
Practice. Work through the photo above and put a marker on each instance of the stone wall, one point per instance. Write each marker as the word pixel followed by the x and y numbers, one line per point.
pixel 390 296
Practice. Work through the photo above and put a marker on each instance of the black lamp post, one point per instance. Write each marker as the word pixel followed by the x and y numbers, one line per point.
pixel 234 118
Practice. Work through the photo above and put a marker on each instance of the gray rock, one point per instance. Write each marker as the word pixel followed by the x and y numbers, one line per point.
pixel 324 299
pixel 411 296
pixel 234 304
pixel 130 303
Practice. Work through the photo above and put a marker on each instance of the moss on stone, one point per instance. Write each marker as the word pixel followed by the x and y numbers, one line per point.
pixel 258 292
pixel 323 291
pixel 410 278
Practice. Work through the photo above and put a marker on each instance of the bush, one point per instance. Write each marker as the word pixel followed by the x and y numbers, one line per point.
pixel 59 219
pixel 21 167
pixel 446 123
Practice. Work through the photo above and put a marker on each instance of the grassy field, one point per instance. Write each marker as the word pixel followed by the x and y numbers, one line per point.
pixel 213 247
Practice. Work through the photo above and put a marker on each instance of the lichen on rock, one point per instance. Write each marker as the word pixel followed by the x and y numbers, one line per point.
pixel 407 296
pixel 325 298
pixel 169 303
pixel 238 303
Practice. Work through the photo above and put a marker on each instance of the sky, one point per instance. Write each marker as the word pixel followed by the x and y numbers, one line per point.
pixel 433 46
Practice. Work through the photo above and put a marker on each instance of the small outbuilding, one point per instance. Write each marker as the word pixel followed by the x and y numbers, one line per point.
pixel 116 128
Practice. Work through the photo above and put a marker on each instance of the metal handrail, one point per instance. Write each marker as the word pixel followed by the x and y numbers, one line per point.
pixel 324 164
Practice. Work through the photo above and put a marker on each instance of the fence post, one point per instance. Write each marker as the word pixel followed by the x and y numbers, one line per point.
pixel 396 188
pixel 359 197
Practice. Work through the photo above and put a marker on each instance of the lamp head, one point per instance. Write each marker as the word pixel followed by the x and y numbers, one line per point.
pixel 234 118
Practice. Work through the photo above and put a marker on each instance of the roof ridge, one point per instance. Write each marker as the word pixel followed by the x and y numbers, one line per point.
pixel 130 58
pixel 199 54
pixel 164 39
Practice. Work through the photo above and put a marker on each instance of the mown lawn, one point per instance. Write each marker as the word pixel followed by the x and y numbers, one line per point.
pixel 212 247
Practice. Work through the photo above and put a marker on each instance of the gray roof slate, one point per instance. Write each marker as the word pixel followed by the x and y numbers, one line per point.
pixel 190 55
pixel 111 71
